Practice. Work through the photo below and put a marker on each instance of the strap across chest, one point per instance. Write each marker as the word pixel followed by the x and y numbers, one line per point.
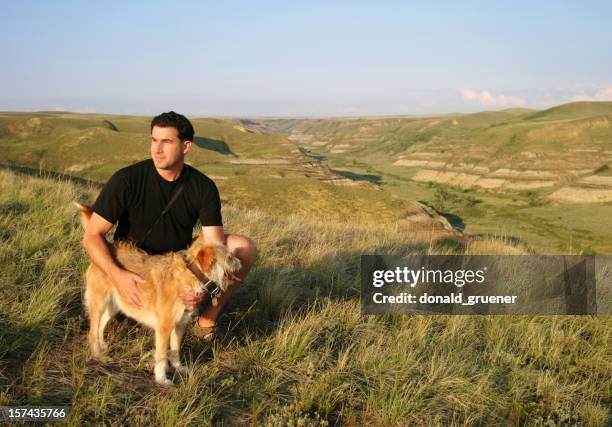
pixel 175 195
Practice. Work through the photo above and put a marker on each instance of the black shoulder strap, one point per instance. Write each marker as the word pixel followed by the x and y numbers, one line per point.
pixel 175 195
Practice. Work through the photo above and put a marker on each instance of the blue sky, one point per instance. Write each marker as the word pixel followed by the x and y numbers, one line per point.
pixel 307 59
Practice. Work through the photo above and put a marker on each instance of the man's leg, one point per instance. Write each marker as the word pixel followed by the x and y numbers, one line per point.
pixel 244 249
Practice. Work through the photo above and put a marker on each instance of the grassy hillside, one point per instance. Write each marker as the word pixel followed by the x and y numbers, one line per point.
pixel 266 172
pixel 294 349
pixel 573 111
pixel 513 171
pixel 540 176
pixel 94 146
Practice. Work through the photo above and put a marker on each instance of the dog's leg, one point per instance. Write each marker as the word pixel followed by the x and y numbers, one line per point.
pixel 96 300
pixel 162 338
pixel 175 345
pixel 108 314
pixel 94 342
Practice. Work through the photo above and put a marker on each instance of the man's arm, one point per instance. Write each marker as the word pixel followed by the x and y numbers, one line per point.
pixel 214 234
pixel 96 246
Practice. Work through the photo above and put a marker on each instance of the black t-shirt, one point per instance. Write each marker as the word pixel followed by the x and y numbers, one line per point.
pixel 136 196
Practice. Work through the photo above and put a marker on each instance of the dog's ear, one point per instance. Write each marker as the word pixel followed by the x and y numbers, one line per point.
pixel 206 257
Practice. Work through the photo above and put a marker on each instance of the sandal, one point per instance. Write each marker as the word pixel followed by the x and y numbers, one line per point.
pixel 205 333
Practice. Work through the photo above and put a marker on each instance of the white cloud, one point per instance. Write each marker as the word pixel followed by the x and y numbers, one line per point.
pixel 601 94
pixel 487 98
pixel 606 92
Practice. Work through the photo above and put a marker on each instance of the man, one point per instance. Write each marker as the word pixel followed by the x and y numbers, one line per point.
pixel 136 195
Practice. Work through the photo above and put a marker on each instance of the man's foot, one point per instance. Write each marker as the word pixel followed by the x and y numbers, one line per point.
pixel 205 333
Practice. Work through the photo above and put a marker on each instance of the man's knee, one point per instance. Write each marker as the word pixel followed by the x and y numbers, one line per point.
pixel 243 247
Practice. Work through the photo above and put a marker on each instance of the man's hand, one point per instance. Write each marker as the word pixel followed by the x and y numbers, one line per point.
pixel 233 278
pixel 127 284
pixel 190 297
pixel 97 247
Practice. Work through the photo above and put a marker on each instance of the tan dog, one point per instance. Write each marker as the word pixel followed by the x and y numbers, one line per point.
pixel 165 276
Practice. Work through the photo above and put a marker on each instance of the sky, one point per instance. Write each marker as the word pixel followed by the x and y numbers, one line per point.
pixel 329 58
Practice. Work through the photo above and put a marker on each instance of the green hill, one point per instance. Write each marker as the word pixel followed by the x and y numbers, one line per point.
pixel 541 177
pixel 253 169
pixel 512 169
pixel 572 111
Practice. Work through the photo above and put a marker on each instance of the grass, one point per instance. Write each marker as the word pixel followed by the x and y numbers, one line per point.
pixel 295 349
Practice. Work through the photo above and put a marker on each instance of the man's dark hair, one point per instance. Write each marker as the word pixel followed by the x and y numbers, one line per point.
pixel 175 120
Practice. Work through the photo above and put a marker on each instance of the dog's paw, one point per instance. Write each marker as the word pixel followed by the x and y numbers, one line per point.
pixel 164 381
pixel 101 358
pixel 182 369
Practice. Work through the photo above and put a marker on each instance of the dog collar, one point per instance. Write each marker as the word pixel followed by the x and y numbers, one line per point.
pixel 209 286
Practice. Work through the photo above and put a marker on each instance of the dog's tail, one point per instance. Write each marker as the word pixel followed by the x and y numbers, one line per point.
pixel 86 213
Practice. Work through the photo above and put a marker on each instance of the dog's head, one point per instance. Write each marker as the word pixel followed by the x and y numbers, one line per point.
pixel 208 261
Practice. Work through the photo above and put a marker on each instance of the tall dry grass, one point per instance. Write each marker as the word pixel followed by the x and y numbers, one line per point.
pixel 294 348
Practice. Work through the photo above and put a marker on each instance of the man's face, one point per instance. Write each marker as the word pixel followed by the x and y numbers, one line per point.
pixel 167 150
